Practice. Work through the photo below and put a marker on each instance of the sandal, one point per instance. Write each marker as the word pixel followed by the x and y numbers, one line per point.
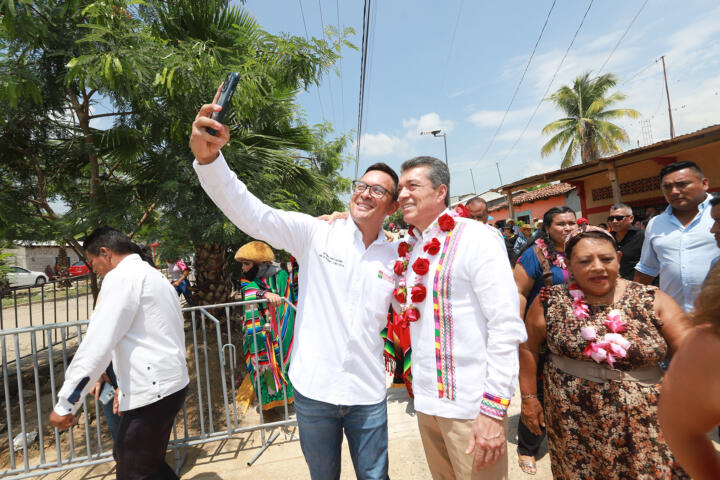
pixel 527 466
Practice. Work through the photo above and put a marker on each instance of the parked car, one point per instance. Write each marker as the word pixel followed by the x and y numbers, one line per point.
pixel 78 268
pixel 19 276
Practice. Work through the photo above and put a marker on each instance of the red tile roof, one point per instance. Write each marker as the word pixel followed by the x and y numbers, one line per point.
pixel 535 195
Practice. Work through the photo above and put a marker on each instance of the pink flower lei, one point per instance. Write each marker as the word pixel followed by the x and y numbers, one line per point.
pixel 612 345
pixel 417 293
pixel 558 261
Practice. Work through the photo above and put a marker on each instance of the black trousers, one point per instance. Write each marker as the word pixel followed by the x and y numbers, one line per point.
pixel 528 442
pixel 142 440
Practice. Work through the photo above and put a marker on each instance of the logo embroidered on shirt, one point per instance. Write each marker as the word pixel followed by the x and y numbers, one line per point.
pixel 386 276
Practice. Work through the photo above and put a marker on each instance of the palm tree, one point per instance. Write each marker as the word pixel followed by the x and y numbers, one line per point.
pixel 585 127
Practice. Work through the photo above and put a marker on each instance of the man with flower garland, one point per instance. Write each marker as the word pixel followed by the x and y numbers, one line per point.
pixel 346 286
pixel 456 294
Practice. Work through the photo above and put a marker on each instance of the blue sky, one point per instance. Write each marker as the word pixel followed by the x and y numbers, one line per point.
pixel 454 65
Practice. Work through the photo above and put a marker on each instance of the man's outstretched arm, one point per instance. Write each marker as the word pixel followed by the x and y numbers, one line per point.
pixel 289 231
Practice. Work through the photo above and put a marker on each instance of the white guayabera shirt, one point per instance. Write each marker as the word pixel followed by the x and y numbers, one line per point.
pixel 465 343
pixel 344 291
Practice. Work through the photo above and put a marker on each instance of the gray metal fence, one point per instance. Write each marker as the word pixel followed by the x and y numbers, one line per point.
pixel 33 366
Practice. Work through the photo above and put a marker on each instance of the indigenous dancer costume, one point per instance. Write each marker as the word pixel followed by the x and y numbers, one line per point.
pixel 268 331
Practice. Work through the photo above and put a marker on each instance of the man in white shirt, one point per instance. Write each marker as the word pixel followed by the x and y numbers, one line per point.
pixel 457 294
pixel 138 323
pixel 346 284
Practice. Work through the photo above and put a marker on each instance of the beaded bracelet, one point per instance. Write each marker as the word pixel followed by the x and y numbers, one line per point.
pixel 528 396
pixel 494 405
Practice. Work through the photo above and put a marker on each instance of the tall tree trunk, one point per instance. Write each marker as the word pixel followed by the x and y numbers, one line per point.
pixel 212 282
pixel 63 264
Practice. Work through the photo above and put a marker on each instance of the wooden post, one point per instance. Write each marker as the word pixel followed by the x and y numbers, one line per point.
pixel 511 213
pixel 614 184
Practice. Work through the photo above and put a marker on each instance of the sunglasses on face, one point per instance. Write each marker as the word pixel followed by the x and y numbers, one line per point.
pixel 617 218
pixel 376 191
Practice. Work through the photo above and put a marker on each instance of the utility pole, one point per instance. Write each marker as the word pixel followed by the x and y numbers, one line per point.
pixel 511 213
pixel 667 92
pixel 473 180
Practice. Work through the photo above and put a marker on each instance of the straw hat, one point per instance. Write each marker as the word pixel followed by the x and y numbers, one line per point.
pixel 255 251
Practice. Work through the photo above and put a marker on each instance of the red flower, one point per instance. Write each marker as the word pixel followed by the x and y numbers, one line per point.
pixel 411 315
pixel 421 266
pixel 417 294
pixel 399 267
pixel 400 294
pixel 446 223
pixel 462 211
pixel 403 249
pixel 432 247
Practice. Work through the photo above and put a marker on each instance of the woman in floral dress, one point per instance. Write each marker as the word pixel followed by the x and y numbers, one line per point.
pixel 605 337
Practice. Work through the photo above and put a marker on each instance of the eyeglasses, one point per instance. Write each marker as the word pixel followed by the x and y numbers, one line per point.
pixel 617 218
pixel 376 191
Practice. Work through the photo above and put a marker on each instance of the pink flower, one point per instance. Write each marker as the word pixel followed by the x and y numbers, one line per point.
pixel 610 359
pixel 617 339
pixel 617 350
pixel 599 355
pixel 576 294
pixel 614 323
pixel 588 333
pixel 580 309
pixel 540 243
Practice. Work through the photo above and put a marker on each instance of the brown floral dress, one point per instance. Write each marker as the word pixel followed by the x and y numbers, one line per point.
pixel 605 430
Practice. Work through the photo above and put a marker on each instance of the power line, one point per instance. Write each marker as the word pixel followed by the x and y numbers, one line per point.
pixel 654 62
pixel 452 42
pixel 517 88
pixel 307 37
pixel 342 89
pixel 551 82
pixel 370 56
pixel 622 37
pixel 332 102
pixel 363 66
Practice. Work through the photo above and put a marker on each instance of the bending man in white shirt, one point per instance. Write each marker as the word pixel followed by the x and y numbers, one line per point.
pixel 346 284
pixel 461 304
pixel 138 323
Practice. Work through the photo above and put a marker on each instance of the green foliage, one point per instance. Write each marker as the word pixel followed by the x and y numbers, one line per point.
pixel 396 219
pixel 538 187
pixel 146 68
pixel 586 127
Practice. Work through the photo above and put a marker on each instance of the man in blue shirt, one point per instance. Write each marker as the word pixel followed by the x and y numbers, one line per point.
pixel 678 244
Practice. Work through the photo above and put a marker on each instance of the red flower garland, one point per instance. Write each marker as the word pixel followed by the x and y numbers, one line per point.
pixel 420 267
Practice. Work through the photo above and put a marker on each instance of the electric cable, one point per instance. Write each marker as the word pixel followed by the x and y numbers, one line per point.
pixel 363 65
pixel 537 107
pixel 517 88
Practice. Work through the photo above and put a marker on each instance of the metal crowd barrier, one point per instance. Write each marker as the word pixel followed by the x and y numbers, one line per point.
pixel 32 375
pixel 52 302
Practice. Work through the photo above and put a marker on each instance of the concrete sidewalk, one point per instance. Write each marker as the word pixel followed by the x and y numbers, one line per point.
pixel 228 459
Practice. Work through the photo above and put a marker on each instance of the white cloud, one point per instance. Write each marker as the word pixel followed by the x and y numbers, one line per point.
pixel 492 118
pixel 376 145
pixel 426 123
pixel 405 141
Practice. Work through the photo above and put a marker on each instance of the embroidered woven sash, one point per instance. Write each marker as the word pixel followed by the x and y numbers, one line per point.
pixel 442 312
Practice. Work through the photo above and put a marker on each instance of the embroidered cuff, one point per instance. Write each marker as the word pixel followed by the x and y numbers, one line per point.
pixel 494 406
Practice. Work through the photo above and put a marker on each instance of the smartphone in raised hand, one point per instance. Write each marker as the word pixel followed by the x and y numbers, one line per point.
pixel 226 93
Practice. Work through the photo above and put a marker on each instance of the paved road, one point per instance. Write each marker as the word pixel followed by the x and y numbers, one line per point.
pixel 38 313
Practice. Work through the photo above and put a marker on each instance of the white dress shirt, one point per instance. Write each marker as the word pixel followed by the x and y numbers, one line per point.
pixel 680 255
pixel 138 323
pixel 487 327
pixel 344 291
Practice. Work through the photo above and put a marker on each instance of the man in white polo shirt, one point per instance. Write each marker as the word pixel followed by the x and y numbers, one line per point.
pixel 346 284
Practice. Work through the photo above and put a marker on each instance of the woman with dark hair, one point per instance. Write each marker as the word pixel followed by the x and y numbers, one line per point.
pixel 605 337
pixel 541 263
pixel 693 374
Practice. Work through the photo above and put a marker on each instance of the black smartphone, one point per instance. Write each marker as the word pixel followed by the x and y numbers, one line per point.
pixel 226 93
